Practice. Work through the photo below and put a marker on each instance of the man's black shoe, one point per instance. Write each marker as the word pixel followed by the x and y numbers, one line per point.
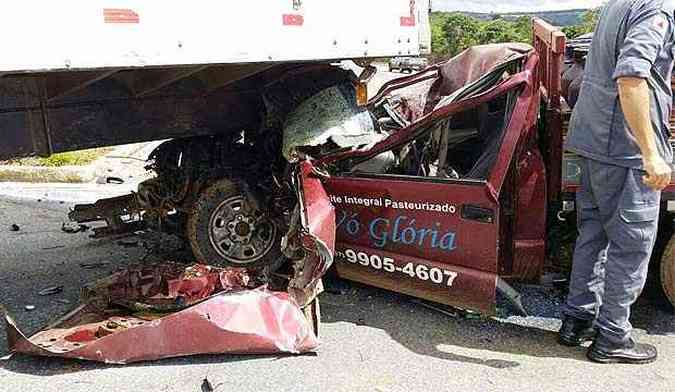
pixel 574 332
pixel 604 351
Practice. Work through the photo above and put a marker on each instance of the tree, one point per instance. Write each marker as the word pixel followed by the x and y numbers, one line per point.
pixel 571 32
pixel 523 27
pixel 439 40
pixel 590 19
pixel 461 32
pixel 451 33
pixel 588 22
pixel 498 30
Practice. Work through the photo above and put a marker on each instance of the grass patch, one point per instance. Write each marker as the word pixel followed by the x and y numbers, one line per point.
pixel 73 158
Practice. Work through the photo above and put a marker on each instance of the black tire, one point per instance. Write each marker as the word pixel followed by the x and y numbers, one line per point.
pixel 205 220
pixel 667 272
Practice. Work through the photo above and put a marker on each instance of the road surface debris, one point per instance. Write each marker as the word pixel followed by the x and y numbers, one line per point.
pixel 51 290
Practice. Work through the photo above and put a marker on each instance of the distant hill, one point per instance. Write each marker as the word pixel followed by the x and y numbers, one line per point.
pixel 557 18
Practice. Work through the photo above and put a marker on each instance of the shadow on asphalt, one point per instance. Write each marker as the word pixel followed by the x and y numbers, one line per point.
pixel 654 314
pixel 430 333
pixel 44 366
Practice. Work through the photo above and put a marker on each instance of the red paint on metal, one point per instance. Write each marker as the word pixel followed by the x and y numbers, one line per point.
pixel 477 244
pixel 522 124
pixel 120 15
pixel 293 20
pixel 399 83
pixel 529 234
pixel 319 212
pixel 318 234
pixel 407 21
pixel 84 335
pixel 246 321
pixel 472 289
pixel 169 282
pixel 249 322
pixel 475 260
pixel 469 253
pixel 550 43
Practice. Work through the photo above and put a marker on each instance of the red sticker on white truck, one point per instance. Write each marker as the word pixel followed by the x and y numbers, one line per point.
pixel 410 20
pixel 120 15
pixel 293 20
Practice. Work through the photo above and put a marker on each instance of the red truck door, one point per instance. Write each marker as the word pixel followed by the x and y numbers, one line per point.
pixel 444 240
pixel 432 239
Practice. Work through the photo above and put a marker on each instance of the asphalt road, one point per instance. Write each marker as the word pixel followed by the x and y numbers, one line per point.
pixel 372 340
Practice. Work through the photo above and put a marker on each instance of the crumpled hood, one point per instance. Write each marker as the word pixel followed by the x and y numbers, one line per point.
pixel 330 115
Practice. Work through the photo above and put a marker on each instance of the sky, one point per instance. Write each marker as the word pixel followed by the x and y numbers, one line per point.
pixel 503 6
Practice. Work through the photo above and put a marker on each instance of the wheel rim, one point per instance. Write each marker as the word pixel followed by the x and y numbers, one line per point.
pixel 239 233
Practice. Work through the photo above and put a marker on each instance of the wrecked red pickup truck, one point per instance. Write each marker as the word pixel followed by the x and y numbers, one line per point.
pixel 439 187
pixel 418 186
pixel 442 185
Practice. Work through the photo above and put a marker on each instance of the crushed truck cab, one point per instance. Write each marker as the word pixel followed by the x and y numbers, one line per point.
pixel 450 220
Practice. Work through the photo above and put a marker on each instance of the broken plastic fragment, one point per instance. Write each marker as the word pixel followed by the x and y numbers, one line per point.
pixel 94 265
pixel 72 227
pixel 50 290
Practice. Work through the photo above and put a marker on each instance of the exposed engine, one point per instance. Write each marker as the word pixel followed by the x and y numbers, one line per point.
pixel 234 196
pixel 231 196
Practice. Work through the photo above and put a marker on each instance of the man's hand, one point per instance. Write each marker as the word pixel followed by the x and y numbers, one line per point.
pixel 635 102
pixel 658 172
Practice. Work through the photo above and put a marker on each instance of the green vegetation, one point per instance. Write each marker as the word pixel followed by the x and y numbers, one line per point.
pixel 587 25
pixel 74 158
pixel 454 32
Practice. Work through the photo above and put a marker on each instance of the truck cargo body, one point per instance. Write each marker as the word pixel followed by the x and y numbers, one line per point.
pixel 77 75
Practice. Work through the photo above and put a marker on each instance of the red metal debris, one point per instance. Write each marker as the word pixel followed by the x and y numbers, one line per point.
pixel 167 286
pixel 131 317
pixel 317 237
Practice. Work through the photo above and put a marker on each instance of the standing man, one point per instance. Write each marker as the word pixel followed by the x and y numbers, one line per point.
pixel 620 127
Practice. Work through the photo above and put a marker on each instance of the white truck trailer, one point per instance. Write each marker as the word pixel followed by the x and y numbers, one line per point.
pixel 70 66
pixel 219 78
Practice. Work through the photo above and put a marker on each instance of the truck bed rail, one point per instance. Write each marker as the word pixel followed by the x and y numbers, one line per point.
pixel 549 42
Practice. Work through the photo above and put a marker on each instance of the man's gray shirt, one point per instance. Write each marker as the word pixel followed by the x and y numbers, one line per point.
pixel 633 39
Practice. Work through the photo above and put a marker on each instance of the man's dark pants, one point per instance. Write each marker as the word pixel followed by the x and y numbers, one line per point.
pixel 617 217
